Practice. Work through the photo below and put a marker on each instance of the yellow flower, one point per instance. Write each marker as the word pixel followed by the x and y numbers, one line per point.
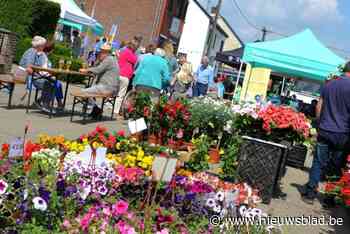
pixel 148 160
pixel 222 151
pixel 85 141
pixel 140 154
pixel 117 146
pixel 95 145
pixel 130 160
pixel 148 173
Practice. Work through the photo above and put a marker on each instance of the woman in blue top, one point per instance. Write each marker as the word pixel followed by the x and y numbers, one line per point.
pixel 151 73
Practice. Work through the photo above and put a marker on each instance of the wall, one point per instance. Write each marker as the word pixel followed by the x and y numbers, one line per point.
pixel 134 17
pixel 194 35
pixel 215 47
pixel 231 42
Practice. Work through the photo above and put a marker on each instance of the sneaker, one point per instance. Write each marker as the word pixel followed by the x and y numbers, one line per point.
pixel 308 198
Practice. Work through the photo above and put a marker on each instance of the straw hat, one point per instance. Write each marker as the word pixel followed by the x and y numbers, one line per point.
pixel 106 47
pixel 38 41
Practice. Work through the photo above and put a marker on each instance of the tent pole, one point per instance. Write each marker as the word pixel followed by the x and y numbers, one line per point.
pixel 283 84
pixel 237 80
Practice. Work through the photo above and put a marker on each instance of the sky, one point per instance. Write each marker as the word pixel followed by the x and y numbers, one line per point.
pixel 328 19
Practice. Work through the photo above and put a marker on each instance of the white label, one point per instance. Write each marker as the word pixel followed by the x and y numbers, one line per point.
pixel 136 126
pixel 164 168
pixel 16 147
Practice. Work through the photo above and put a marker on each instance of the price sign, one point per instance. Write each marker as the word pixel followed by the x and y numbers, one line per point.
pixel 16 147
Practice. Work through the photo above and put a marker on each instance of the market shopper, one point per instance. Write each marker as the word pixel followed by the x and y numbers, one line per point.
pixel 76 44
pixel 203 78
pixel 127 61
pixel 183 79
pixel 152 71
pixel 333 111
pixel 107 76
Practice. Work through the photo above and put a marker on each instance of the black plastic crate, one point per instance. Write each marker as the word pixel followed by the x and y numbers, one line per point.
pixel 297 156
pixel 262 164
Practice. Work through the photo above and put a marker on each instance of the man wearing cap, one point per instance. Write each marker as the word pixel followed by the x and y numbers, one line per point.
pixel 333 112
pixel 107 74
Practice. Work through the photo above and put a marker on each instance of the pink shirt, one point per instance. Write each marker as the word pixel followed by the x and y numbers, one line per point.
pixel 127 60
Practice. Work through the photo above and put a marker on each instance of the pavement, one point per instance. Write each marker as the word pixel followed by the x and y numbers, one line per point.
pixel 12 124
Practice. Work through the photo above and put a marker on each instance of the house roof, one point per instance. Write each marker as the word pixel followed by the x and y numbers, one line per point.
pixel 231 29
pixel 210 17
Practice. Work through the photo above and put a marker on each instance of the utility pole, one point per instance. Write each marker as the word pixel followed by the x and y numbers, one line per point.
pixel 264 32
pixel 213 25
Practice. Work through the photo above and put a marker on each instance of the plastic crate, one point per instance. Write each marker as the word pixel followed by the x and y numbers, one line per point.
pixel 297 156
pixel 262 164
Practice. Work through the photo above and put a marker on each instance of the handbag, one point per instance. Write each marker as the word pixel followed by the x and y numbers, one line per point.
pixel 20 74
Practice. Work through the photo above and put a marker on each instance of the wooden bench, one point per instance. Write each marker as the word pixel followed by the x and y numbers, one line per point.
pixel 8 82
pixel 83 99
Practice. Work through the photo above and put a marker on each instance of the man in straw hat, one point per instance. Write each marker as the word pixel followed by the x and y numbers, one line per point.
pixel 107 76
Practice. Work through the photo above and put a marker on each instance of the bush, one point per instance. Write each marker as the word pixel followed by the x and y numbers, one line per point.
pixel 45 17
pixel 16 16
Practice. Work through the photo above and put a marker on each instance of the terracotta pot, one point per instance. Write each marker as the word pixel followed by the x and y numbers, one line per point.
pixel 214 156
pixel 136 136
pixel 153 140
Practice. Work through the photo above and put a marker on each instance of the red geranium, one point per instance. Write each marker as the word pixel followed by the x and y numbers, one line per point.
pixel 121 133
pixel 146 111
pixel 346 191
pixel 29 149
pixel 330 187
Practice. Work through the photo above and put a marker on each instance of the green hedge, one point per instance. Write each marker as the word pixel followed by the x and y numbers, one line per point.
pixel 16 15
pixel 29 17
pixel 45 17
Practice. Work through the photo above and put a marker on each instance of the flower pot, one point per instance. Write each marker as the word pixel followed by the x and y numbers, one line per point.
pixel 136 137
pixel 214 156
pixel 153 140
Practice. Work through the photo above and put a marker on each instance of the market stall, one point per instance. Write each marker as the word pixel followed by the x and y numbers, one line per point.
pixel 301 55
pixel 73 16
pixel 184 163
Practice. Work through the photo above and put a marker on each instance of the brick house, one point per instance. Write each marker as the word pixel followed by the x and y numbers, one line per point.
pixel 152 19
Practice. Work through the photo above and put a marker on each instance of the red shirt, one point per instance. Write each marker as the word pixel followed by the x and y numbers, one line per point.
pixel 127 60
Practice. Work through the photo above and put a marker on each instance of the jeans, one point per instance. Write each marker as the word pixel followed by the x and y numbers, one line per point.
pixel 200 89
pixel 49 89
pixel 330 152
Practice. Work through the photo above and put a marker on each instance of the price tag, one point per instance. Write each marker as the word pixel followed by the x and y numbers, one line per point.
pixel 16 147
pixel 136 126
pixel 164 168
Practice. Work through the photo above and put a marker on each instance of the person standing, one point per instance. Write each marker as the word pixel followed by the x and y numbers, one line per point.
pixel 204 78
pixel 151 73
pixel 127 61
pixel 333 112
pixel 182 80
pixel 76 44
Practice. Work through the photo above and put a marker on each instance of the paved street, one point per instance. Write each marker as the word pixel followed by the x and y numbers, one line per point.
pixel 12 124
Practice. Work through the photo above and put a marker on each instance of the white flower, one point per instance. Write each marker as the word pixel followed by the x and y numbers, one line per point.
pixel 220 196
pixel 3 186
pixel 39 203
pixel 25 194
pixel 211 203
pixel 85 191
pixel 102 190
pixel 217 208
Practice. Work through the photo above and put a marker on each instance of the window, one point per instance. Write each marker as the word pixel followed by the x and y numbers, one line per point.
pixel 214 41
pixel 222 45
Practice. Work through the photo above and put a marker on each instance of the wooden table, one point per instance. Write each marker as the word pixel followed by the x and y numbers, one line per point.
pixel 57 73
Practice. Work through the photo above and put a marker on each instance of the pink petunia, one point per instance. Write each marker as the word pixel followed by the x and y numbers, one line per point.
pixel 120 208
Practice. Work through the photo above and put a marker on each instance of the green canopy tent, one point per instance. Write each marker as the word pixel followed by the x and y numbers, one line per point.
pixel 301 55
